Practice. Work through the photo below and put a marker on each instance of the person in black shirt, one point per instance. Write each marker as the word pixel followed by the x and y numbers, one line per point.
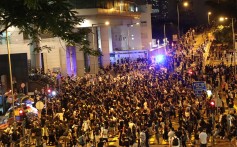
pixel 5 138
pixel 147 137
pixel 38 135
pixel 15 137
pixel 97 132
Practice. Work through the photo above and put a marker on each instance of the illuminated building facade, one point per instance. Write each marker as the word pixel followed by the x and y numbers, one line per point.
pixel 129 30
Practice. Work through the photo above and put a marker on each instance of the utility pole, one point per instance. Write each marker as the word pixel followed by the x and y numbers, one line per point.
pixel 165 41
pixel 10 72
pixel 233 37
pixel 178 18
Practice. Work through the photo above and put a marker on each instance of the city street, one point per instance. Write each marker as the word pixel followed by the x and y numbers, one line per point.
pixel 118 73
pixel 114 142
pixel 219 142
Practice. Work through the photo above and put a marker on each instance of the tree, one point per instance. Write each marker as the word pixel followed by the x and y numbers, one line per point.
pixel 224 8
pixel 34 17
pixel 223 35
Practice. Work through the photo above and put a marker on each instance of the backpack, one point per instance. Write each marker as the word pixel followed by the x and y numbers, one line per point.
pixel 175 141
pixel 81 141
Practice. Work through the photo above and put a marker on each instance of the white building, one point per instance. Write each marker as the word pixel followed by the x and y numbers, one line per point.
pixel 128 31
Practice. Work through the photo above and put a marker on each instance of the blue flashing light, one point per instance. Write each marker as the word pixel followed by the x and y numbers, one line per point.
pixel 54 93
pixel 159 58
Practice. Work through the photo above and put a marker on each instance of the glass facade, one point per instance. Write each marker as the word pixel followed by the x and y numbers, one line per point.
pixel 160 9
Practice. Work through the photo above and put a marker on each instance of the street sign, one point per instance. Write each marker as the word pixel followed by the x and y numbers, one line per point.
pixel 199 87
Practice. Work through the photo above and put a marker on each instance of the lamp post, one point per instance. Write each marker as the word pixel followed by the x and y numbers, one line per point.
pixel 233 37
pixel 178 19
pixel 164 34
pixel 208 17
pixel 165 38
pixel 93 39
pixel 10 73
pixel 185 4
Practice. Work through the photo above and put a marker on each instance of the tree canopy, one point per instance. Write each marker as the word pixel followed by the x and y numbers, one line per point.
pixel 34 17
pixel 223 35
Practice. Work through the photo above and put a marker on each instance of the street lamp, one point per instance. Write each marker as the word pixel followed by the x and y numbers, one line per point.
pixel 233 37
pixel 208 17
pixel 221 19
pixel 185 4
pixel 93 39
pixel 165 38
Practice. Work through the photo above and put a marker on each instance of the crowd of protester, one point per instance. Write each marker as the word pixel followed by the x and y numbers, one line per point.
pixel 134 101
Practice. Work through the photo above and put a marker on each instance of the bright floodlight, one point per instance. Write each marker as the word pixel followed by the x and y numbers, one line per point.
pixel 212 103
pixel 107 23
pixel 221 19
pixel 209 93
pixel 159 58
pixel 185 4
pixel 53 93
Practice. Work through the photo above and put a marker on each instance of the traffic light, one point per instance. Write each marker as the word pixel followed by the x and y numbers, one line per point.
pixel 212 106
pixel 190 72
pixel 212 103
pixel 21 112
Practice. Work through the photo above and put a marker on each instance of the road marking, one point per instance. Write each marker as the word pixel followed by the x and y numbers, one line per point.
pixel 115 139
pixel 112 143
pixel 164 142
pixel 152 140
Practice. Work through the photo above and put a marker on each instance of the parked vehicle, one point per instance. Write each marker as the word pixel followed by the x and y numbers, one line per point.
pixel 21 111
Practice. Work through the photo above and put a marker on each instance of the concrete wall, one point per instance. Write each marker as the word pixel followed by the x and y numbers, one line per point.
pixel 52 59
pixel 146 30
pixel 126 37
pixel 133 37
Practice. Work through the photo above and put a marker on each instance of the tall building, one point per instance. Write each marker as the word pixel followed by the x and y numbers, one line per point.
pixel 120 28
pixel 159 9
pixel 129 29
